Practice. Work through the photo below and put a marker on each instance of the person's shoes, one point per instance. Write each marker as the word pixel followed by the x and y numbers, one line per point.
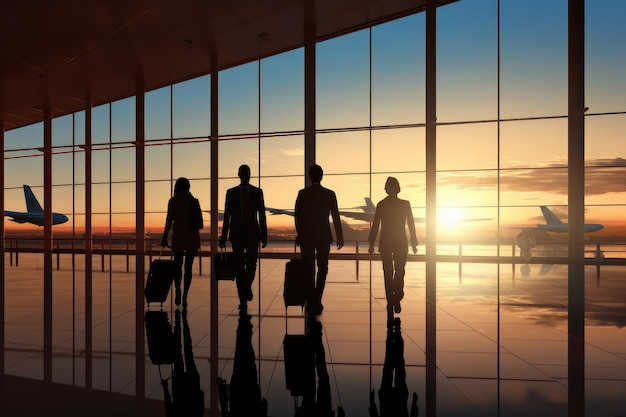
pixel 177 299
pixel 397 308
pixel 315 309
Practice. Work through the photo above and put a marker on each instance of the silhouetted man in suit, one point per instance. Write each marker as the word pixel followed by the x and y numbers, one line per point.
pixel 313 207
pixel 245 226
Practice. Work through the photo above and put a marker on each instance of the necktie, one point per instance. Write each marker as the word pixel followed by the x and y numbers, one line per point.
pixel 245 218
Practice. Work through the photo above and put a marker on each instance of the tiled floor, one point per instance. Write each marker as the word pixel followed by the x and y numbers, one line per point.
pixel 502 344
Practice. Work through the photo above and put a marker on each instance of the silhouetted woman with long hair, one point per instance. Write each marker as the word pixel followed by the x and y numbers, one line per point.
pixel 393 215
pixel 184 218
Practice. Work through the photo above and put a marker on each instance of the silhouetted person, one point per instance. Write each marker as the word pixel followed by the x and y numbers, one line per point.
pixel 182 211
pixel 526 242
pixel 393 215
pixel 244 399
pixel 393 393
pixel 245 226
pixel 314 205
pixel 186 399
pixel 316 401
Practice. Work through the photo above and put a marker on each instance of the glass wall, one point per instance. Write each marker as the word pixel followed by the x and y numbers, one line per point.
pixel 502 155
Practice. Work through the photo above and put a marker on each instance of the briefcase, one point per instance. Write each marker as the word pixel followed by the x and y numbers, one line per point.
pixel 294 290
pixel 160 277
pixel 224 263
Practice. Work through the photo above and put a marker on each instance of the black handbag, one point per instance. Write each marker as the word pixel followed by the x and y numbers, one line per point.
pixel 224 264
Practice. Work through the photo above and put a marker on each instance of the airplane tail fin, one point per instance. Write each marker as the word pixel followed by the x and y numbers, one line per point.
pixel 550 217
pixel 368 204
pixel 32 205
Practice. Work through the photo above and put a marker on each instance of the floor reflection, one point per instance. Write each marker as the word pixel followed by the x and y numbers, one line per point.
pixel 502 345
pixel 176 350
pixel 393 393
pixel 242 397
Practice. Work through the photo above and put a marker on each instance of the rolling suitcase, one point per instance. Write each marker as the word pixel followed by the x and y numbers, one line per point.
pixel 294 289
pixel 159 281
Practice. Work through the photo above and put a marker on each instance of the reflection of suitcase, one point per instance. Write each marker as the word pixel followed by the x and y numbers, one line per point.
pixel 297 363
pixel 294 290
pixel 159 280
pixel 161 340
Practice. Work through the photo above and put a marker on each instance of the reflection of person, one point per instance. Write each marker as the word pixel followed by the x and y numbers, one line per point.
pixel 393 392
pixel 182 210
pixel 526 242
pixel 244 398
pixel 313 207
pixel 316 402
pixel 392 215
pixel 245 225
pixel 187 399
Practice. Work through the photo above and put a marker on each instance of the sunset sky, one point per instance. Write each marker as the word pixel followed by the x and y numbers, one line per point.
pixel 269 96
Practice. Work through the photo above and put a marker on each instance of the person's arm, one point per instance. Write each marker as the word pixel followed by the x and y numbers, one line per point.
pixel 334 211
pixel 296 217
pixel 411 222
pixel 374 231
pixel 226 222
pixel 262 220
pixel 168 224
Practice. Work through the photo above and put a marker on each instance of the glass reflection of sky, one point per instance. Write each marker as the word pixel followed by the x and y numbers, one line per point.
pixel 514 346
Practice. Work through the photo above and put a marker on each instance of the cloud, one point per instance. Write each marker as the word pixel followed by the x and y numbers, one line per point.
pixel 602 176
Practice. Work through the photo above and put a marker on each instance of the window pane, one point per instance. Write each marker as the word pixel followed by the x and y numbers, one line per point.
pixel 533 143
pixel 233 153
pixel 398 150
pixel 454 143
pixel 158 162
pixel 398 76
pixel 533 58
pixel 342 81
pixel 605 56
pixel 345 152
pixel 239 99
pixel 192 108
pixel 158 121
pixel 123 162
pixel 467 61
pixel 533 187
pixel 100 123
pixel 62 131
pixel 282 155
pixel 282 92
pixel 192 160
pixel 123 120
pixel 24 137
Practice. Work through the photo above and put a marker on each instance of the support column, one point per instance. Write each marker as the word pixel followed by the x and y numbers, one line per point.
pixel 431 208
pixel 2 248
pixel 140 233
pixel 576 208
pixel 88 245
pixel 309 89
pixel 47 243
pixel 214 349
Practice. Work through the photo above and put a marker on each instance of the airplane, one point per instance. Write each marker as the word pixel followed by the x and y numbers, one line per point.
pixel 34 211
pixel 555 225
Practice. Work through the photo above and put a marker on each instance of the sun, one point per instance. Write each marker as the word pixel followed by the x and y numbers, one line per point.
pixel 450 216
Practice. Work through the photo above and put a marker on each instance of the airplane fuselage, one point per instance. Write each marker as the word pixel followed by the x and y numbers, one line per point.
pixel 563 227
